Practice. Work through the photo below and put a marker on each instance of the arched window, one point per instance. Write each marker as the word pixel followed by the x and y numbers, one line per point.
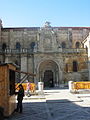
pixel 32 46
pixel 4 46
pixel 75 66
pixel 77 45
pixel 18 46
pixel 66 67
pixel 86 49
pixel 63 44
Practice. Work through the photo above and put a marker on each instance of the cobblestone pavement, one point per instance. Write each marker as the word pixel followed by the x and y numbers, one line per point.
pixel 57 105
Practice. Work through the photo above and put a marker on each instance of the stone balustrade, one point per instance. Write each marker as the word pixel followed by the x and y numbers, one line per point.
pixel 73 50
pixel 25 50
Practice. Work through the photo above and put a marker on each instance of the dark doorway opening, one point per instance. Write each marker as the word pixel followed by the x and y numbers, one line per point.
pixel 48 78
pixel 12 82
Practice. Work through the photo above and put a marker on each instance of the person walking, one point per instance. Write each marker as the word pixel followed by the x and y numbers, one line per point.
pixel 20 95
pixel 28 89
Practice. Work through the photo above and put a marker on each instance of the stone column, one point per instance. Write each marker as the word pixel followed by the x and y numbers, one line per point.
pixel 70 84
pixel 11 39
pixel 57 78
pixel 23 64
pixel 89 69
pixel 60 82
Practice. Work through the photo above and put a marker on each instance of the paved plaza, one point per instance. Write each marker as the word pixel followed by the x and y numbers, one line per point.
pixel 57 104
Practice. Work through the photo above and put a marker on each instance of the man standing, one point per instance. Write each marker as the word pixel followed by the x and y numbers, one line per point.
pixel 20 95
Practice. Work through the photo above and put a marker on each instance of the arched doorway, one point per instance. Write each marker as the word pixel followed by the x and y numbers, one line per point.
pixel 49 73
pixel 48 78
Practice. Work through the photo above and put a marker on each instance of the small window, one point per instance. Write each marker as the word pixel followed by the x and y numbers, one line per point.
pixel 75 66
pixel 66 67
pixel 4 46
pixel 63 45
pixel 86 49
pixel 32 45
pixel 18 46
pixel 77 45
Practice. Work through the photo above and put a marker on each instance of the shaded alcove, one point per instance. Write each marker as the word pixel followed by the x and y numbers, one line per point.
pixel 49 73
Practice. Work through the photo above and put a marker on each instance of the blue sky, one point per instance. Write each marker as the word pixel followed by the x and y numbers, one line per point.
pixel 34 13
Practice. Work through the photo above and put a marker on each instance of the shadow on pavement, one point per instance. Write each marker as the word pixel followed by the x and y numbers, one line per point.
pixel 52 110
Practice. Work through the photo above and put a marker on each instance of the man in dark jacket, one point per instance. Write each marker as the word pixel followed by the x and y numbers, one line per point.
pixel 20 95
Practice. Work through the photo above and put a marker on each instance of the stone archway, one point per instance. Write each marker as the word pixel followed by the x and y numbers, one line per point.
pixel 49 73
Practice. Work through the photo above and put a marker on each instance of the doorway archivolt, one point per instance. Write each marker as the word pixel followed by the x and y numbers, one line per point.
pixel 49 73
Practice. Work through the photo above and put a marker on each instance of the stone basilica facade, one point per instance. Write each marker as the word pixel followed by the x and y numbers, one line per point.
pixel 55 54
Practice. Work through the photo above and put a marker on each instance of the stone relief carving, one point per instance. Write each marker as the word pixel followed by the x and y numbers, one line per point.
pixel 47 24
pixel 47 39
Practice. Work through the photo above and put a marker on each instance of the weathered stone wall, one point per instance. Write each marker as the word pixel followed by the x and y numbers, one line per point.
pixel 80 58
pixel 48 47
pixel 26 36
